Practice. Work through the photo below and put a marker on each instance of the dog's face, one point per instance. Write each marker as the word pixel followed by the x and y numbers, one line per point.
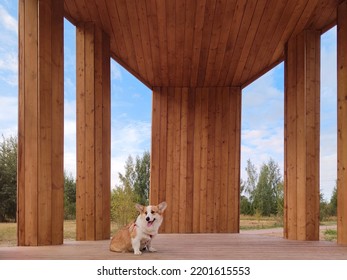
pixel 151 216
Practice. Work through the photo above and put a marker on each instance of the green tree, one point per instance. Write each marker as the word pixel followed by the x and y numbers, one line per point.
pixel 69 197
pixel 333 203
pixel 133 188
pixel 142 177
pixel 323 208
pixel 265 189
pixel 8 179
pixel 123 199
pixel 137 176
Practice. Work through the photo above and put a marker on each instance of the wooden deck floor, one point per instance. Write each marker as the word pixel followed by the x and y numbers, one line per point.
pixel 189 246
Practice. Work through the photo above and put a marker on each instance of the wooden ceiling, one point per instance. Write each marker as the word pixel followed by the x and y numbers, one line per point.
pixel 201 42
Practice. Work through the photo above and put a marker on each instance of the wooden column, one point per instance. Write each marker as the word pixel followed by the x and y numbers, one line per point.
pixel 342 123
pixel 302 113
pixel 195 158
pixel 93 133
pixel 40 198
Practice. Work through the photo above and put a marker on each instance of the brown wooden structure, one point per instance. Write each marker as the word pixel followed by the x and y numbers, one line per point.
pixel 196 56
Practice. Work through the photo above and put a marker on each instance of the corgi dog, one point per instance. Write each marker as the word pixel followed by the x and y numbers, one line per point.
pixel 137 236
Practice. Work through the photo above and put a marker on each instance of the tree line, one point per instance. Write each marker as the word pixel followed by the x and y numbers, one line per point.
pixel 262 193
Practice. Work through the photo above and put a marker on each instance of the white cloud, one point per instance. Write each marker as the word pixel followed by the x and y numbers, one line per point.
pixel 7 21
pixel 128 138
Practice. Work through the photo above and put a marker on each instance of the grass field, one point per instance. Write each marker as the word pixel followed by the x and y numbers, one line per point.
pixel 8 231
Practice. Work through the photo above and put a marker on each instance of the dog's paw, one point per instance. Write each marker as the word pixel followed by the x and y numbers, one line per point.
pixel 138 252
pixel 151 249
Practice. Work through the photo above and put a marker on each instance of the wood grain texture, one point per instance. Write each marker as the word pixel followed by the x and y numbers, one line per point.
pixel 201 43
pixel 342 117
pixel 41 122
pixel 197 158
pixel 93 133
pixel 302 125
pixel 174 247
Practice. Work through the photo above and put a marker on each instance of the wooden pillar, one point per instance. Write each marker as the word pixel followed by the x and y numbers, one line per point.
pixel 40 199
pixel 93 133
pixel 342 123
pixel 302 113
pixel 195 158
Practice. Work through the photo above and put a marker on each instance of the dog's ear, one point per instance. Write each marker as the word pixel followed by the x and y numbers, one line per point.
pixel 162 206
pixel 139 207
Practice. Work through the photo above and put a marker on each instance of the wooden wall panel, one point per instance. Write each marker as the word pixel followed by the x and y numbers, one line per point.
pixel 93 133
pixel 302 124
pixel 196 158
pixel 342 124
pixel 41 122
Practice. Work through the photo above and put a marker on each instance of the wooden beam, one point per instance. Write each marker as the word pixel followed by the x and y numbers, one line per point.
pixel 342 123
pixel 302 111
pixel 40 123
pixel 93 133
pixel 195 163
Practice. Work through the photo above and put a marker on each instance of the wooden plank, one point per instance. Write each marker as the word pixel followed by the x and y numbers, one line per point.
pixel 271 15
pixel 74 13
pixel 283 31
pixel 188 41
pixel 208 147
pixel 313 128
pixel 222 42
pixel 21 126
pixel 170 159
pixel 217 22
pixel 183 205
pixel 81 135
pixel 143 18
pixel 240 41
pixel 154 40
pixel 342 117
pixel 206 39
pixel 155 148
pixel 180 17
pixel 253 31
pixel 300 96
pixel 197 161
pixel 98 129
pixel 31 117
pixel 237 179
pixel 82 7
pixel 230 46
pixel 198 29
pixel 217 161
pixel 44 195
pixel 176 158
pixel 93 12
pixel 224 160
pixel 171 40
pixel 190 159
pixel 163 149
pixel 118 44
pixel 249 245
pixel 58 122
pixel 124 22
pixel 89 141
pixel 290 142
pixel 106 146
pixel 204 157
pixel 302 124
pixel 136 37
pixel 234 160
pixel 104 16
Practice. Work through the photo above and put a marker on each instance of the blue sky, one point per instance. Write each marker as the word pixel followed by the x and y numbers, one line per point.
pixel 262 106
